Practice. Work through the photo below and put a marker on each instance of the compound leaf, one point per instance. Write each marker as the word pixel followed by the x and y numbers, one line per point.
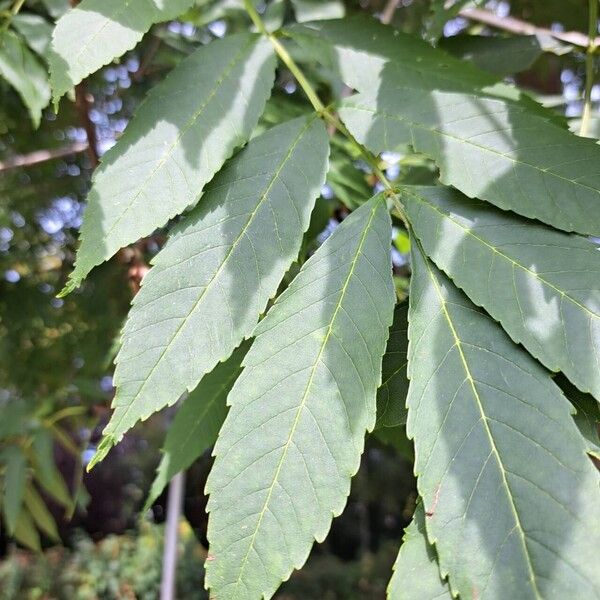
pixel 488 148
pixel 197 423
pixel 511 498
pixel 300 410
pixel 180 137
pixel 216 274
pixel 416 572
pixel 95 32
pixel 542 285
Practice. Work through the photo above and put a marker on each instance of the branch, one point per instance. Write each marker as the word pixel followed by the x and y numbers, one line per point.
pixel 39 156
pixel 514 25
pixel 388 12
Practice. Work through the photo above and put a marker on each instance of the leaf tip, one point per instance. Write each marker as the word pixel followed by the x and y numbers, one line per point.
pixel 103 449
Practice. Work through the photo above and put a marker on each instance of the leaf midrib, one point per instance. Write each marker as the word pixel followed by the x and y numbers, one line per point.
pixel 107 19
pixel 476 396
pixel 308 387
pixel 502 254
pixel 179 329
pixel 181 132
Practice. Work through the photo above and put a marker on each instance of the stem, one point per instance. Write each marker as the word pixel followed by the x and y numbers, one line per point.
pixel 589 68
pixel 321 109
pixel 16 7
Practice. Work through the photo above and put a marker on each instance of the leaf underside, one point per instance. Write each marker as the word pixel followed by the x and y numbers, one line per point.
pixel 197 423
pixel 300 410
pixel 487 148
pixel 20 67
pixel 95 32
pixel 214 277
pixel 510 496
pixel 543 285
pixel 416 573
pixel 179 138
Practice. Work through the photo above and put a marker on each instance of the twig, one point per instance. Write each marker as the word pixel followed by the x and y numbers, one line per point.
pixel 589 68
pixel 147 58
pixel 514 25
pixel 82 105
pixel 324 111
pixel 16 7
pixel 40 156
pixel 388 12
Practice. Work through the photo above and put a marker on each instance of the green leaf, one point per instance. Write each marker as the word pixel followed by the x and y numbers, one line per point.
pixel 40 513
pixel 216 274
pixel 36 31
pixel 391 395
pixel 180 137
pixel 541 284
pixel 499 55
pixel 416 572
pixel 299 411
pixel 15 476
pixel 587 418
pixel 95 32
pixel 197 423
pixel 314 10
pixel 45 470
pixel 487 148
pixel 510 496
pixel 22 70
pixel 359 49
pixel 26 533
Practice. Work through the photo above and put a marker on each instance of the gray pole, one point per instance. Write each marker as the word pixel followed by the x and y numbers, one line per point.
pixel 174 506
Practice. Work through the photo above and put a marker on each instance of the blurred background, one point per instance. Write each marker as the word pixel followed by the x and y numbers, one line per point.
pixel 83 535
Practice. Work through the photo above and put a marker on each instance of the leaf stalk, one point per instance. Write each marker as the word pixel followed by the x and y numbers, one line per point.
pixel 324 111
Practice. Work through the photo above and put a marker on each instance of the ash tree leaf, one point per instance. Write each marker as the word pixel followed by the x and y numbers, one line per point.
pixel 542 285
pixel 22 70
pixel 365 53
pixel 36 31
pixel 487 148
pixel 416 573
pixel 214 277
pixel 500 55
pixel 511 499
pixel 15 477
pixel 300 410
pixel 179 138
pixel 391 395
pixel 96 32
pixel 360 49
pixel 197 423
